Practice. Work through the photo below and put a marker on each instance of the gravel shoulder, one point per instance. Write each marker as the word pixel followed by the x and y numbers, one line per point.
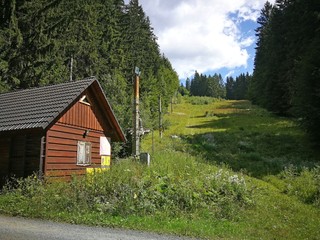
pixel 17 228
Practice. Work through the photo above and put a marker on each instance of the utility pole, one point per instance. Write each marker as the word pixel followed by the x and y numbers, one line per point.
pixel 136 116
pixel 160 117
pixel 71 68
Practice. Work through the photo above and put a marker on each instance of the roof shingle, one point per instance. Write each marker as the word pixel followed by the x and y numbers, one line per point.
pixel 38 107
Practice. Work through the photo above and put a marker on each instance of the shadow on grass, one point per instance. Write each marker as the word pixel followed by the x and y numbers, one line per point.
pixel 256 142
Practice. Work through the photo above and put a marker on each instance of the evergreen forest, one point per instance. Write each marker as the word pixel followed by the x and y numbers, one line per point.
pixel 214 86
pixel 286 78
pixel 238 88
pixel 46 42
pixel 203 85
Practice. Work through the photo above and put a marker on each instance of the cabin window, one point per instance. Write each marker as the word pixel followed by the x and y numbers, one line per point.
pixel 84 153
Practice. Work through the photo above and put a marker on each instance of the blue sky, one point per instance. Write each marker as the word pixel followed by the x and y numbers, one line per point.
pixel 247 29
pixel 210 36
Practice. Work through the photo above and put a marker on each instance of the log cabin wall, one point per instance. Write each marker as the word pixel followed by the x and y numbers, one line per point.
pixel 24 158
pixel 81 115
pixel 32 154
pixel 4 158
pixel 17 155
pixel 20 155
pixel 62 141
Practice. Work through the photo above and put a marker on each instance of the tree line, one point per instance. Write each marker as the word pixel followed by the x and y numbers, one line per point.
pixel 41 41
pixel 286 78
pixel 203 85
pixel 213 86
pixel 238 88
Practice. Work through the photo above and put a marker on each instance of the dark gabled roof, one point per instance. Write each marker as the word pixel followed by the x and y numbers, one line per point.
pixel 39 107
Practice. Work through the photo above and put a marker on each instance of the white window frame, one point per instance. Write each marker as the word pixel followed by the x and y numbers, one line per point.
pixel 84 153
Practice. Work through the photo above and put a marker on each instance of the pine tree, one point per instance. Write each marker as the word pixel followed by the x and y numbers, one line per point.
pixel 195 85
pixel 230 88
pixel 10 44
pixel 188 84
pixel 260 78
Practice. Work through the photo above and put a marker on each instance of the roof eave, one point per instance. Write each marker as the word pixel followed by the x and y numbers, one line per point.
pixel 120 136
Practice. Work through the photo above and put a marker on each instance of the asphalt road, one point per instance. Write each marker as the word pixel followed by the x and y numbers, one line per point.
pixel 16 228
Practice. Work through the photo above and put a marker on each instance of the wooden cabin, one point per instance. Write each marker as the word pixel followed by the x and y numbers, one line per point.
pixel 57 130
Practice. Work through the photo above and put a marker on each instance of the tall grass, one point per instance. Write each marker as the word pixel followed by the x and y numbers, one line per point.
pixel 304 184
pixel 195 100
pixel 175 185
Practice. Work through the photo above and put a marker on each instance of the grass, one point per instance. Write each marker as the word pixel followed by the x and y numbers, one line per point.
pixel 223 170
pixel 244 137
pixel 272 151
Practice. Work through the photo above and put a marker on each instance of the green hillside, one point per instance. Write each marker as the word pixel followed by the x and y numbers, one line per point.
pixel 222 170
pixel 280 166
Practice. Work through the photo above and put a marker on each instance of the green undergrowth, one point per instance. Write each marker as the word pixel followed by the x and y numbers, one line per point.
pixel 223 170
pixel 175 185
pixel 273 153
pixel 176 194
pixel 303 184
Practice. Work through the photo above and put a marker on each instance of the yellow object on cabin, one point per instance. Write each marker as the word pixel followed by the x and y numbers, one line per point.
pixel 105 161
pixel 96 170
pixel 105 166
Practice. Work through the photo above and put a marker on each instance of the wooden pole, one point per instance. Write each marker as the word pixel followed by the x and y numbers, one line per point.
pixel 71 68
pixel 160 117
pixel 42 156
pixel 136 117
pixel 152 142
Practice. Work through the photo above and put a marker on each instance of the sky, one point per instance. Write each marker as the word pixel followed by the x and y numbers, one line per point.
pixel 207 36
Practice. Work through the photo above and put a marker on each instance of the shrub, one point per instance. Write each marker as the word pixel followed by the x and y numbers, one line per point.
pixel 195 100
pixel 174 185
pixel 304 184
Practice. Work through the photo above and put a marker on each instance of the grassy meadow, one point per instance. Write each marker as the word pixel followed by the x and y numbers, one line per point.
pixel 222 170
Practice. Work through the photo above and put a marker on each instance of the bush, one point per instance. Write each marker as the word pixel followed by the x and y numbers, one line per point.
pixel 195 100
pixel 304 184
pixel 172 186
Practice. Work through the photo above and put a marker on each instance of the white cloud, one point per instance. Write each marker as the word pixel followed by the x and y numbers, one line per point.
pixel 248 41
pixel 202 35
pixel 230 73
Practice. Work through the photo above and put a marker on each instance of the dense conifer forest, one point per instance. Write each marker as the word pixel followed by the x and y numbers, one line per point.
pixel 286 77
pixel 40 40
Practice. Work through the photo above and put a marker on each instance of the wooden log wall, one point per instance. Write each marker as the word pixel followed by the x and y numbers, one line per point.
pixel 32 154
pixel 24 155
pixel 62 141
pixel 20 155
pixel 4 158
pixel 17 156
pixel 81 115
pixel 61 150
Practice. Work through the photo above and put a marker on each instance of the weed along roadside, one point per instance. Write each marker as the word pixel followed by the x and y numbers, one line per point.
pixel 234 171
